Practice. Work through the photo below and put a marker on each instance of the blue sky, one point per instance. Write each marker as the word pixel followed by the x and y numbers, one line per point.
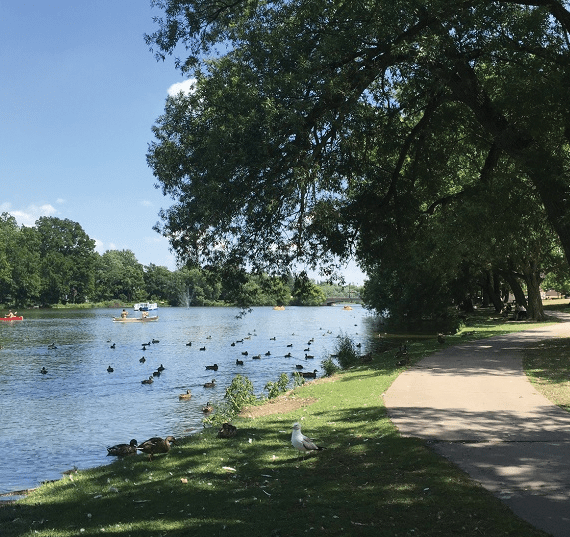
pixel 79 93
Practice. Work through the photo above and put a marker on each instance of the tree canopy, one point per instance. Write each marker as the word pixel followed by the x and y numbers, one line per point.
pixel 320 128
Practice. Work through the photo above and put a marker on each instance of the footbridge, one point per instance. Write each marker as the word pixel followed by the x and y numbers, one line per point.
pixel 331 301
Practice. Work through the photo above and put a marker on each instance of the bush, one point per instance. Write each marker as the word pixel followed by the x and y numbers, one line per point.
pixel 276 388
pixel 346 352
pixel 329 366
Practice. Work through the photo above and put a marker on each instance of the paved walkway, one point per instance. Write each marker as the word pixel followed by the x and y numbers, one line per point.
pixel 475 406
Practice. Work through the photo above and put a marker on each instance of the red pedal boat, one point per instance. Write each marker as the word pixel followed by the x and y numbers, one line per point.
pixel 16 318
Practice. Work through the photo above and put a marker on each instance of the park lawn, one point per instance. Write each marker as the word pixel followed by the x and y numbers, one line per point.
pixel 368 481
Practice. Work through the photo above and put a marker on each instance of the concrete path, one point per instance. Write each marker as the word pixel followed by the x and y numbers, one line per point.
pixel 475 406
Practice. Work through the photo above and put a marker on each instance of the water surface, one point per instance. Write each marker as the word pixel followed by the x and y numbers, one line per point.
pixel 65 418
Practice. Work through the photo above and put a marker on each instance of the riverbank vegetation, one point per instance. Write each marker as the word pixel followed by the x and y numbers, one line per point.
pixel 368 481
pixel 55 263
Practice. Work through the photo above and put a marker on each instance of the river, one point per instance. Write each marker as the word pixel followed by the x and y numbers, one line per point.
pixel 52 422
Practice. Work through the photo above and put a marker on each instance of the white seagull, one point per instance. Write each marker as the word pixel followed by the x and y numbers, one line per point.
pixel 301 442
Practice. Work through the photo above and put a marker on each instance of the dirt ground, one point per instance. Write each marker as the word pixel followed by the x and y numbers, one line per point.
pixel 282 404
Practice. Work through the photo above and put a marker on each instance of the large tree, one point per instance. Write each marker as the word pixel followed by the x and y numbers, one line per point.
pixel 67 257
pixel 319 126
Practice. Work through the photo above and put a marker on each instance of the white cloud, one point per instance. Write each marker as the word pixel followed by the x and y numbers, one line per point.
pixel 99 246
pixel 28 216
pixel 146 203
pixel 185 87
pixel 59 201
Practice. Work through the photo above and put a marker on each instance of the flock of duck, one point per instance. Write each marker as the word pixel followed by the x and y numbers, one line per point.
pixel 158 445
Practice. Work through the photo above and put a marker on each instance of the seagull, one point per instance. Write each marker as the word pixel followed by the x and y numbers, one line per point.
pixel 301 442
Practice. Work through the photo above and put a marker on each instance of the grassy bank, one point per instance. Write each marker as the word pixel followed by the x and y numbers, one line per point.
pixel 369 480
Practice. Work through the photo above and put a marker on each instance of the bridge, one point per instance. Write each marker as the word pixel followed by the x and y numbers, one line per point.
pixel 331 301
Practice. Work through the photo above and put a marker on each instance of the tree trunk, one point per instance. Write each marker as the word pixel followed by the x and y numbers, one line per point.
pixel 533 280
pixel 516 288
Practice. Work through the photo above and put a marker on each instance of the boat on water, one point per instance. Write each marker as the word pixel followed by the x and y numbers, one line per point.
pixel 135 319
pixel 145 306
pixel 16 318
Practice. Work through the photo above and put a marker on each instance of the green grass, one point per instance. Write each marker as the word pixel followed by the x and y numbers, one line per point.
pixel 368 482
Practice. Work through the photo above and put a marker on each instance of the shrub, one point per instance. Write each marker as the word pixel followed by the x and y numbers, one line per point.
pixel 346 352
pixel 329 366
pixel 278 387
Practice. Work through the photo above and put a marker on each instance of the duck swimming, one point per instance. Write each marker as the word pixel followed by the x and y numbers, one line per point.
pixel 43 371
pixel 207 408
pixel 122 450
pixel 186 395
pixel 150 380
pixel 210 384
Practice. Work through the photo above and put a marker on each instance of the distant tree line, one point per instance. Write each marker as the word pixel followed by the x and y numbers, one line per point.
pixel 55 262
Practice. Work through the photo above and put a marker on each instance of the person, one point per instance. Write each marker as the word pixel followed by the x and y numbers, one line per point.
pixel 11 315
pixel 124 313
pixel 145 314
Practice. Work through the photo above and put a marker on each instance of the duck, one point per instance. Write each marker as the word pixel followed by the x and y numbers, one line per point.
pixel 256 357
pixel 290 345
pixel 288 355
pixel 233 344
pixel 227 431
pixel 186 395
pixel 160 368
pixel 122 450
pixel 156 373
pixel 210 384
pixel 150 380
pixel 202 348
pixel 110 369
pixel 309 356
pixel 299 366
pixel 112 346
pixel 43 371
pixel 189 344
pixel 245 353
pixel 268 353
pixel 142 360
pixel 155 341
pixel 156 445
pixel 212 367
pixel 207 408
pixel 52 346
pixel 309 374
pixel 239 362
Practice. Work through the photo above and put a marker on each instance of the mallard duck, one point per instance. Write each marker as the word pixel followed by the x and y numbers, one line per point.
pixel 227 431
pixel 212 367
pixel 160 368
pixel 239 362
pixel 156 373
pixel 155 341
pixel 43 371
pixel 186 395
pixel 299 366
pixel 268 353
pixel 110 369
pixel 122 450
pixel 156 445
pixel 202 348
pixel 207 408
pixel 142 360
pixel 149 380
pixel 256 357
pixel 309 374
pixel 309 356
pixel 210 384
